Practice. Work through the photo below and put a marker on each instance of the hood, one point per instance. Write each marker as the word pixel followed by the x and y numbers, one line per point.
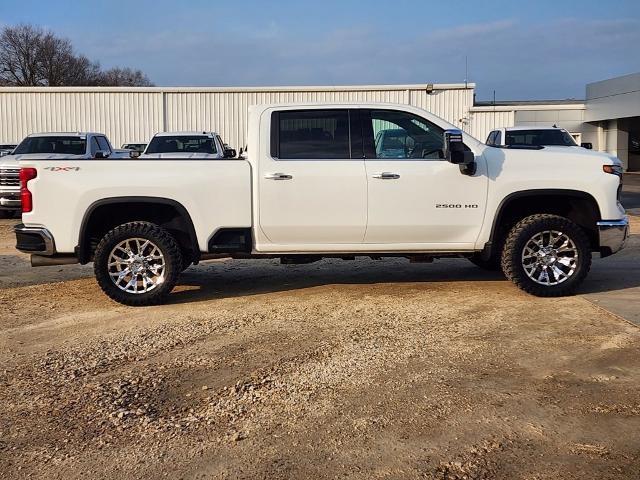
pixel 583 152
pixel 182 156
pixel 40 156
pixel 8 161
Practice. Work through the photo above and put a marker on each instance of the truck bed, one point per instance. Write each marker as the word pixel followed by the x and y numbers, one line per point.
pixel 215 193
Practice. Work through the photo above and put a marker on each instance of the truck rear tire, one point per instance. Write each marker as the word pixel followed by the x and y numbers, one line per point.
pixel 546 255
pixel 137 264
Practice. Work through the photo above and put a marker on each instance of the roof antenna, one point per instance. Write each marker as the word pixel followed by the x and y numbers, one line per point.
pixel 494 109
pixel 466 70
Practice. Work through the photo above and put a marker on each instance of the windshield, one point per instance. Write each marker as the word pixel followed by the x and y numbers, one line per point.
pixel 61 145
pixel 7 147
pixel 182 144
pixel 539 138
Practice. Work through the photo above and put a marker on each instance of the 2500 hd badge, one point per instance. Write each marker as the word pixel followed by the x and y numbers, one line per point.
pixel 456 205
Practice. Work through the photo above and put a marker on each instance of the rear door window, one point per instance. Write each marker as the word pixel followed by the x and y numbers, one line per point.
pixel 311 134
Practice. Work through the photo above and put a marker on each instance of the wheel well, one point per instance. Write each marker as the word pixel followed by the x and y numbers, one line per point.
pixel 107 214
pixel 579 207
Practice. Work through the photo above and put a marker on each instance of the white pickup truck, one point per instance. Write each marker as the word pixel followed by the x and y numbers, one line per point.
pixel 315 184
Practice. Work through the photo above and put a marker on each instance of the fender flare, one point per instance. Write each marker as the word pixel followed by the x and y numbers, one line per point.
pixel 82 249
pixel 535 192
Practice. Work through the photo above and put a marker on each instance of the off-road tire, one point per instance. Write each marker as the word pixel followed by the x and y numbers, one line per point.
pixel 522 232
pixel 145 230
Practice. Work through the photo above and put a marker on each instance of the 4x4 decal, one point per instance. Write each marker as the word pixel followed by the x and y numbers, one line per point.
pixel 62 169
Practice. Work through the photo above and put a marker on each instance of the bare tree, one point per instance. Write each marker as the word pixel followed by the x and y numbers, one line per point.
pixel 55 57
pixel 126 77
pixel 83 72
pixel 19 52
pixel 31 56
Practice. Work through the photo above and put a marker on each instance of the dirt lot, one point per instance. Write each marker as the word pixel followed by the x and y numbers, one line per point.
pixel 337 369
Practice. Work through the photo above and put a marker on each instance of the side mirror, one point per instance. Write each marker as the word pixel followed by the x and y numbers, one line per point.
pixel 587 145
pixel 134 154
pixel 455 152
pixel 229 153
pixel 101 154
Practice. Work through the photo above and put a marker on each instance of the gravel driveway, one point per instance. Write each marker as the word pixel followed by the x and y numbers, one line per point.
pixel 364 369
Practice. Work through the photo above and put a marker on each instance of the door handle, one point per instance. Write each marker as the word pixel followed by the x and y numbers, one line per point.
pixel 386 176
pixel 278 176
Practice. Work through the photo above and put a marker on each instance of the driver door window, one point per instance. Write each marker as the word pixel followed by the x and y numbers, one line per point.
pixel 104 145
pixel 402 136
pixel 94 147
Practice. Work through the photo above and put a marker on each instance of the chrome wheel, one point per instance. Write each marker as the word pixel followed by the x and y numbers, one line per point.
pixel 550 257
pixel 136 265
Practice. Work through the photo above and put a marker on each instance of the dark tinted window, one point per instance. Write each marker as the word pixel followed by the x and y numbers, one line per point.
pixel 309 134
pixel 60 145
pixel 182 144
pixel 104 145
pixel 491 139
pixel 139 147
pixel 94 146
pixel 401 135
pixel 539 138
pixel 498 138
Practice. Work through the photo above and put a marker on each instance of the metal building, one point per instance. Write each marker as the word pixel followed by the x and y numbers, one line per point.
pixel 609 118
pixel 136 114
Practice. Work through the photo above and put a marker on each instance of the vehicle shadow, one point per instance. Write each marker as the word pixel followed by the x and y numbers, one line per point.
pixel 241 278
pixel 236 278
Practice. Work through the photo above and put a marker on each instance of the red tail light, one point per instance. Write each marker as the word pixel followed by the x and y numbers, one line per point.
pixel 26 174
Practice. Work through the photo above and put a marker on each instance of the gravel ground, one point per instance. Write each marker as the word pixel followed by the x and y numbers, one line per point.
pixel 364 369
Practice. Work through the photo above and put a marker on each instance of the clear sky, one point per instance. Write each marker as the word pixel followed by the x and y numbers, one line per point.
pixel 521 49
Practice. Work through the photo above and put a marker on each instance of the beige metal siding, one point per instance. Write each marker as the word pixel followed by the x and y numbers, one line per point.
pixel 129 116
pixel 482 122
pixel 135 114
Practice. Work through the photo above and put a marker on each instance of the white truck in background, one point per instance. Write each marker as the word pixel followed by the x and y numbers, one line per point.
pixel 314 185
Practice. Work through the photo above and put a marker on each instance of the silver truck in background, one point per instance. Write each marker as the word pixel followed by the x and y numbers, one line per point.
pixel 47 146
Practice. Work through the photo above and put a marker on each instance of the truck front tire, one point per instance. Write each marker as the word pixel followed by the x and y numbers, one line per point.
pixel 137 264
pixel 546 255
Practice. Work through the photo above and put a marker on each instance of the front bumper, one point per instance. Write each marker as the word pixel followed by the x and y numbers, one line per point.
pixel 34 240
pixel 10 201
pixel 613 235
